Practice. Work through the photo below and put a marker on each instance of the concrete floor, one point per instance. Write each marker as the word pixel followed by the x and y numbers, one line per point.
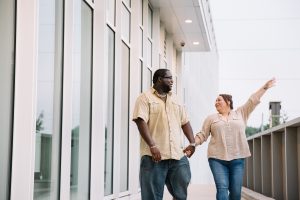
pixel 196 192
pixel 208 192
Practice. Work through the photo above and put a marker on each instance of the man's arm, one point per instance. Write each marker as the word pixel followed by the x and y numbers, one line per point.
pixel 188 132
pixel 144 131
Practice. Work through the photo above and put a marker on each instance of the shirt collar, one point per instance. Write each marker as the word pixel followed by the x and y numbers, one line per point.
pixel 153 91
pixel 231 115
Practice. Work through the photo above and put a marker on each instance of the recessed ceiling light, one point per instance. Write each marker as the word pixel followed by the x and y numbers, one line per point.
pixel 195 43
pixel 188 21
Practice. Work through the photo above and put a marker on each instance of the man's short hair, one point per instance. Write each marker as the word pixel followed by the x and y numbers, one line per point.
pixel 159 73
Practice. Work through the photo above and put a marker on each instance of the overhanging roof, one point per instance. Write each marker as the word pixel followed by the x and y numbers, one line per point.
pixel 173 14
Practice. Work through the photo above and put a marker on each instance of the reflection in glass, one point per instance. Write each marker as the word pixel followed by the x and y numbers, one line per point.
pixel 125 23
pixel 7 51
pixel 124 158
pixel 81 102
pixel 109 124
pixel 48 111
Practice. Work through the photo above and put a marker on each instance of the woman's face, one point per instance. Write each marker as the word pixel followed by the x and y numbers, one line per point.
pixel 221 105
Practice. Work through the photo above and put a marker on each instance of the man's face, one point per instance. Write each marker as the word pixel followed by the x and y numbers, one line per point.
pixel 167 82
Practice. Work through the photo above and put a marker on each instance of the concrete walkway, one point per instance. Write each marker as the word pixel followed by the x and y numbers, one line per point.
pixel 196 192
pixel 208 192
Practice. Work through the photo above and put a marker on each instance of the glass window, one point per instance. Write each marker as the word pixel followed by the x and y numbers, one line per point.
pixel 147 78
pixel 174 88
pixel 162 62
pixel 125 23
pixel 7 52
pixel 165 46
pixel 127 2
pixel 165 64
pixel 141 43
pixel 111 11
pixel 124 158
pixel 109 125
pixel 141 12
pixel 150 21
pixel 48 111
pixel 81 102
pixel 141 67
pixel 149 53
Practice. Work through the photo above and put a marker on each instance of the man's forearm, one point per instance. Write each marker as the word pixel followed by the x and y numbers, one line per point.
pixel 144 132
pixel 188 132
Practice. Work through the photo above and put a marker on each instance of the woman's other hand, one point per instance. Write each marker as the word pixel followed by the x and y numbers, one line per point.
pixel 269 83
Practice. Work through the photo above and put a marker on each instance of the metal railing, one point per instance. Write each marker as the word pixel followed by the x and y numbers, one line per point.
pixel 274 167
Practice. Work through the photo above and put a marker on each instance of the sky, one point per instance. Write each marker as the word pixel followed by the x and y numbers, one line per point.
pixel 256 41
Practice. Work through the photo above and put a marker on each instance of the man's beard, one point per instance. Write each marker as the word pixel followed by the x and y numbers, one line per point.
pixel 166 88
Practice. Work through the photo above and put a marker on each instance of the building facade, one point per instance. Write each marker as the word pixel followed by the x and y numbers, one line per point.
pixel 70 72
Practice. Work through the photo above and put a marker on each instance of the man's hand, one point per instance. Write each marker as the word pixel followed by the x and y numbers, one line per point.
pixel 189 150
pixel 188 132
pixel 156 157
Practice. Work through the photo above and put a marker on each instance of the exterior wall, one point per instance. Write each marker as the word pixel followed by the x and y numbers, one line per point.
pixel 201 80
pixel 98 64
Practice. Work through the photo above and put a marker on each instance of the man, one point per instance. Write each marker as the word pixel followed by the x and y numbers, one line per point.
pixel 160 118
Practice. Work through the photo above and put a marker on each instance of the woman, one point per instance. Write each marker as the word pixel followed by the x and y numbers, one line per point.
pixel 228 145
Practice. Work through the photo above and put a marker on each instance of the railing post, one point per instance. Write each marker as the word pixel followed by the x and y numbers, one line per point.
pixel 266 165
pixel 257 164
pixel 291 162
pixel 274 167
pixel 277 162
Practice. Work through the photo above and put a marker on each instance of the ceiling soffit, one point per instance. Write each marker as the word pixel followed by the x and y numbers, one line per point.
pixel 173 14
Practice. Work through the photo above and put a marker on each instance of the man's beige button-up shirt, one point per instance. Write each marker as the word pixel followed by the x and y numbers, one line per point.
pixel 164 120
pixel 228 139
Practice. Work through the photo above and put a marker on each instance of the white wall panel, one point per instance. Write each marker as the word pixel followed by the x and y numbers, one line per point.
pixel 200 81
pixel 24 110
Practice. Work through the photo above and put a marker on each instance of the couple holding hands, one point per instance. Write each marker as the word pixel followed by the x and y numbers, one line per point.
pixel 160 119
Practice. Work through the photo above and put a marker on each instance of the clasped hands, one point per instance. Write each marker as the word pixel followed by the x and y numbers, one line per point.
pixel 156 156
pixel 189 150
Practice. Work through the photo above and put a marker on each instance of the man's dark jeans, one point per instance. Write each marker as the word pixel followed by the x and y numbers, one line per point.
pixel 176 174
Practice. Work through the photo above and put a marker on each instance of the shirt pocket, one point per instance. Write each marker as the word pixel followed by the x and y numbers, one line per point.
pixel 176 109
pixel 154 107
pixel 237 123
pixel 215 125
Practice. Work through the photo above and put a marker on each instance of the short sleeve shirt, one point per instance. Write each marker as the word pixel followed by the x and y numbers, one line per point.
pixel 228 139
pixel 164 120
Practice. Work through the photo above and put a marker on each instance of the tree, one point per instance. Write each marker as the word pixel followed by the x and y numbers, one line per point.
pixel 39 125
pixel 253 130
